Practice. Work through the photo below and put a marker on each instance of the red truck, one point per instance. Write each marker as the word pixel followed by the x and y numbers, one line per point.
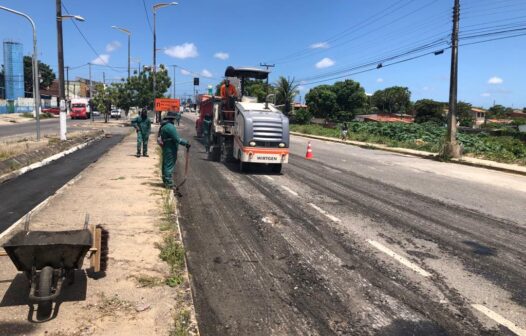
pixel 80 108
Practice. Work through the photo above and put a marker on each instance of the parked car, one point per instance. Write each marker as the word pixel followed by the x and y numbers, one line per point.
pixel 96 113
pixel 115 114
pixel 52 110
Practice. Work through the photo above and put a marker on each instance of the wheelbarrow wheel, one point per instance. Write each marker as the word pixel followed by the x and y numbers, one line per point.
pixel 45 282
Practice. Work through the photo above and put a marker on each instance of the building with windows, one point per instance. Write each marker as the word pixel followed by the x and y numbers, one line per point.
pixel 13 70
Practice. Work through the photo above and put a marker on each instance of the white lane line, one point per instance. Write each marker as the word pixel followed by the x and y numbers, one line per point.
pixel 323 212
pixel 268 178
pixel 500 319
pixel 399 258
pixel 290 191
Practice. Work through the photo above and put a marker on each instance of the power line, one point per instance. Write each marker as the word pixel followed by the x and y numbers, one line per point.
pixel 147 16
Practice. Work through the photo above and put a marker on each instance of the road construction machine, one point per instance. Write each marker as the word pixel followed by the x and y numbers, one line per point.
pixel 245 130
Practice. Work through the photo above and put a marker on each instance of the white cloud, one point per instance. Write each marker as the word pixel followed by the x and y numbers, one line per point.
pixel 368 94
pixel 185 72
pixel 301 88
pixel 495 80
pixel 101 60
pixel 112 46
pixel 425 88
pixel 486 94
pixel 320 45
pixel 325 63
pixel 206 73
pixel 221 55
pixel 185 50
pixel 380 80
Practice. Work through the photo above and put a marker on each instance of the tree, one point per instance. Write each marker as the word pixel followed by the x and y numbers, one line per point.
pixel 257 88
pixel 350 97
pixel 464 114
pixel 497 111
pixel 47 76
pixel 302 116
pixel 102 99
pixel 396 99
pixel 428 110
pixel 322 101
pixel 140 87
pixel 286 90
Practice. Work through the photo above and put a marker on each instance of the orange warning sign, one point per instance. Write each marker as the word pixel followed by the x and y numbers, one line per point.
pixel 167 104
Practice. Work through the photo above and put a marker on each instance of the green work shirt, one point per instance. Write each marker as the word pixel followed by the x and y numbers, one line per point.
pixel 206 126
pixel 170 137
pixel 144 125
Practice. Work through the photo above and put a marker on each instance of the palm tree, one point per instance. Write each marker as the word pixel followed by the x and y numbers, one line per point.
pixel 286 90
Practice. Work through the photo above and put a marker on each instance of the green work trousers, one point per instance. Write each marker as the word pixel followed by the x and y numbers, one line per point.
pixel 169 160
pixel 142 140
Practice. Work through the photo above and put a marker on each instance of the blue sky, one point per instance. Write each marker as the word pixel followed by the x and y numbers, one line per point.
pixel 307 40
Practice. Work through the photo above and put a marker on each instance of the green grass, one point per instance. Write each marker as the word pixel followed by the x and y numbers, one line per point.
pixel 148 281
pixel 427 137
pixel 181 323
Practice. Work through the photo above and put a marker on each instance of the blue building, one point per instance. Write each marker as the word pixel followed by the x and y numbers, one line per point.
pixel 13 70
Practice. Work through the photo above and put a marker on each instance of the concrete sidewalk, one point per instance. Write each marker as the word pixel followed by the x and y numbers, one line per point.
pixel 466 160
pixel 123 194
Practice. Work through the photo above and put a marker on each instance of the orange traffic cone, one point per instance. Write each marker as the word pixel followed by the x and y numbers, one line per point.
pixel 309 155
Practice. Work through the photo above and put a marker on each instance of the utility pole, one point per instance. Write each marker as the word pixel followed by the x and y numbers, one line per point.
pixel 67 82
pixel 174 66
pixel 104 78
pixel 452 148
pixel 266 96
pixel 60 47
pixel 90 93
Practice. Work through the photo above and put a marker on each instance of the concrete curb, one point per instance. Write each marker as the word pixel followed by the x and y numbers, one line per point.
pixel 507 168
pixel 46 161
pixel 172 201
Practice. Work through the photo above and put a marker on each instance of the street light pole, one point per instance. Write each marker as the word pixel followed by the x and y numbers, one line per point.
pixel 174 66
pixel 155 8
pixel 60 51
pixel 127 32
pixel 36 77
pixel 452 149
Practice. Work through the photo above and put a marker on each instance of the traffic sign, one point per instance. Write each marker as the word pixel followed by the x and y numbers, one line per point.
pixel 167 104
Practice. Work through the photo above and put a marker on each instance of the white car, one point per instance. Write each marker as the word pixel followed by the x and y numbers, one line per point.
pixel 115 114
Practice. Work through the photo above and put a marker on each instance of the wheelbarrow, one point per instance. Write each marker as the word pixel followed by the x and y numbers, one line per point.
pixel 50 258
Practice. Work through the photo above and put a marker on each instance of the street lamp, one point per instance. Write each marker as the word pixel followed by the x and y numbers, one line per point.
pixel 60 51
pixel 127 32
pixel 36 82
pixel 155 8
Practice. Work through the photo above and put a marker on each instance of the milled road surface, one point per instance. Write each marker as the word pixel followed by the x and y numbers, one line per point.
pixel 23 193
pixel 354 242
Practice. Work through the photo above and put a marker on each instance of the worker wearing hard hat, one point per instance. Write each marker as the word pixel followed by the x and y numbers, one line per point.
pixel 142 125
pixel 169 140
pixel 228 93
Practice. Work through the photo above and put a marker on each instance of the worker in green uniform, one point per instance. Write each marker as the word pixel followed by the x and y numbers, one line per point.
pixel 207 125
pixel 142 125
pixel 178 118
pixel 170 141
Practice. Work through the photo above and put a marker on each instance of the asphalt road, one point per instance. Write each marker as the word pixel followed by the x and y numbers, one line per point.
pixel 354 242
pixel 20 195
pixel 47 126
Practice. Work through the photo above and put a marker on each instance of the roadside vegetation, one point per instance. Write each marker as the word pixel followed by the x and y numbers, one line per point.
pixel 427 137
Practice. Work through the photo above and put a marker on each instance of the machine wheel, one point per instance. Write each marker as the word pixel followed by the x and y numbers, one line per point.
pixel 214 153
pixel 45 281
pixel 276 168
pixel 223 152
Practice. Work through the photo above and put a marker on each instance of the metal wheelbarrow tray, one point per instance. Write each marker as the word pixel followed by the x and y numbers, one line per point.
pixel 48 258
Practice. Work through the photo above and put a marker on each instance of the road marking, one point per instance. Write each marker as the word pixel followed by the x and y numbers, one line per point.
pixel 323 212
pixel 268 177
pixel 499 319
pixel 399 258
pixel 290 191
